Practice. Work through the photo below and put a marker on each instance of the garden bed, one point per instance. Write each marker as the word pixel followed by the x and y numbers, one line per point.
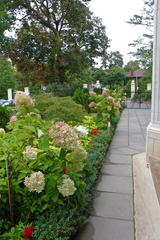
pixel 49 168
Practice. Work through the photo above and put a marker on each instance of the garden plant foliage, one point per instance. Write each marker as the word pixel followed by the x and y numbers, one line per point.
pixel 49 168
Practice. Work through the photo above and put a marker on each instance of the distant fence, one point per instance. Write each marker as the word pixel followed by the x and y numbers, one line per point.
pixel 138 100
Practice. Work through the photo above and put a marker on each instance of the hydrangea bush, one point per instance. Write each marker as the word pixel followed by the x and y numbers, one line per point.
pixel 106 107
pixel 44 163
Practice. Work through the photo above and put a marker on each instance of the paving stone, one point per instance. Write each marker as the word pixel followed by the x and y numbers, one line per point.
pixel 115 184
pixel 117 170
pixel 137 138
pixel 137 147
pixel 107 229
pixel 123 150
pixel 118 158
pixel 113 205
pixel 112 216
pixel 120 141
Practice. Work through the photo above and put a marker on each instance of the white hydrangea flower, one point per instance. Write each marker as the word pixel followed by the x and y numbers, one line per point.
pixel 82 130
pixel 36 182
pixel 2 130
pixel 67 187
pixel 39 133
pixel 30 152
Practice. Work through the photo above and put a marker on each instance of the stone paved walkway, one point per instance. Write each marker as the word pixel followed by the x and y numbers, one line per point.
pixel 112 217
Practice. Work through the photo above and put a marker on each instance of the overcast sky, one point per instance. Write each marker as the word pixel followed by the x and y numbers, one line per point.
pixel 114 14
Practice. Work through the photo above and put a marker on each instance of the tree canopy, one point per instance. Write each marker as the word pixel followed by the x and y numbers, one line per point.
pixel 144 45
pixel 8 77
pixel 115 59
pixel 53 37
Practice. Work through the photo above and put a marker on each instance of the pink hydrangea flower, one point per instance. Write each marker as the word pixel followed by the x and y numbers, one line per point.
pixel 110 98
pixel 63 135
pixel 91 104
pixel 13 119
pixel 30 152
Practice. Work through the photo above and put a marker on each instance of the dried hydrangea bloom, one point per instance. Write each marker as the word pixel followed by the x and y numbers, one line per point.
pixel 36 182
pixel 117 106
pixel 105 92
pixel 63 135
pixel 92 93
pixel 67 187
pixel 82 130
pixel 22 99
pixel 13 119
pixel 30 152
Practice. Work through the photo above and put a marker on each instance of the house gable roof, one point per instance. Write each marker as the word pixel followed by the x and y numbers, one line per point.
pixel 133 74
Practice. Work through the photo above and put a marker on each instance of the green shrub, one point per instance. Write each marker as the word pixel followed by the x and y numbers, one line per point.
pixel 127 89
pixel 9 77
pixel 59 108
pixel 147 95
pixel 4 116
pixel 62 90
pixel 82 98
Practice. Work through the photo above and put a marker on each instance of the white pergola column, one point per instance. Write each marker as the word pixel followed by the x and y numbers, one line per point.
pixel 9 93
pixel 153 130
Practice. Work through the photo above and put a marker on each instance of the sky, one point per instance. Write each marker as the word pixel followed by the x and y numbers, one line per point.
pixel 114 14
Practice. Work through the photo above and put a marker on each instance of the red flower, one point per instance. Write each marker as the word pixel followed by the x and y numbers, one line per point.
pixel 94 131
pixel 28 231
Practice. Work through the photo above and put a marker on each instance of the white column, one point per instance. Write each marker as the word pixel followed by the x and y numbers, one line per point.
pixel 153 130
pixel 9 91
pixel 133 88
pixel 26 90
pixel 149 87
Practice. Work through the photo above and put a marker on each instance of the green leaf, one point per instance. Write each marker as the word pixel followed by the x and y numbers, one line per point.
pixel 44 143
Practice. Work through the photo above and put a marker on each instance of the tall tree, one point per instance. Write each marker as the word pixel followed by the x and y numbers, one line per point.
pixel 115 59
pixel 144 44
pixel 131 66
pixel 66 26
pixel 8 77
pixel 115 76
pixel 147 16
